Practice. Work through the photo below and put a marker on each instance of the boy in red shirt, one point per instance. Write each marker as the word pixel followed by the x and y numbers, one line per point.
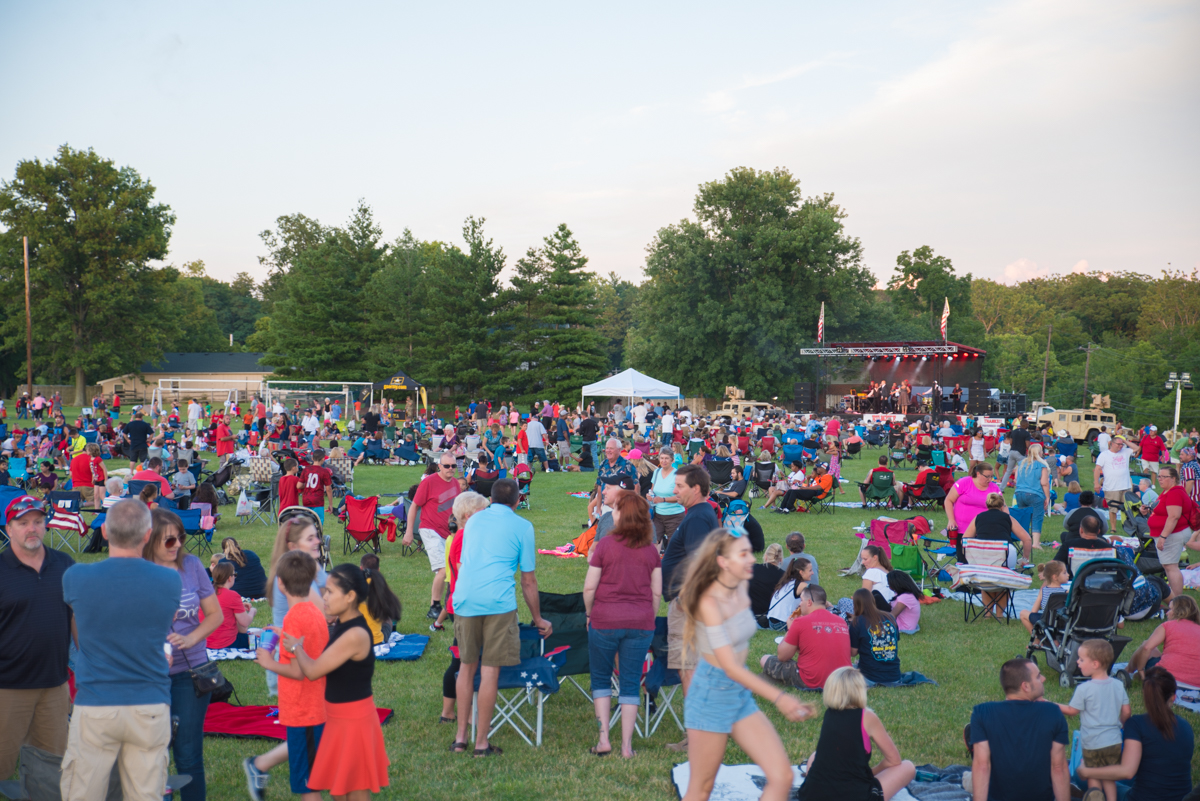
pixel 317 485
pixel 301 701
pixel 289 485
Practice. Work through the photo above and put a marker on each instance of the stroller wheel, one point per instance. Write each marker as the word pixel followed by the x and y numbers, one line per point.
pixel 1064 679
pixel 1124 678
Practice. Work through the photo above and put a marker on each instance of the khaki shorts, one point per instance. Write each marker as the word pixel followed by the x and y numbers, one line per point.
pixel 1102 757
pixel 1115 496
pixel 493 640
pixel 136 737
pixel 85 494
pixel 1172 546
pixel 36 717
pixel 435 548
pixel 678 658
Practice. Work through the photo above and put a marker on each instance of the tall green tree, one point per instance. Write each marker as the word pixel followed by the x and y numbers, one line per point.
pixel 732 295
pixel 1104 303
pixel 396 300
pixel 319 327
pixel 615 299
pixel 922 282
pixel 293 234
pixel 194 326
pixel 94 230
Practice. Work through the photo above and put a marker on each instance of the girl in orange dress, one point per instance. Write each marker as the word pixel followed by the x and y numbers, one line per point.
pixel 351 761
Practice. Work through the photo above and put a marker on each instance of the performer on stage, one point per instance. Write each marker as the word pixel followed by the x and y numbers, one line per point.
pixel 956 398
pixel 894 397
pixel 904 396
pixel 936 399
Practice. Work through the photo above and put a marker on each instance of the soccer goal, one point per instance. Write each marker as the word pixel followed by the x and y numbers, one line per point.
pixel 218 390
pixel 314 393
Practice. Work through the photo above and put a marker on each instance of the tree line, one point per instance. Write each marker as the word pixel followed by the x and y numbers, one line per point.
pixel 729 297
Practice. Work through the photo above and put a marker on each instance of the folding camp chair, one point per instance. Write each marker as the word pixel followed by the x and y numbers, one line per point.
pixel 661 684
pixel 360 526
pixel 720 472
pixel 762 479
pixel 568 615
pixel 65 522
pixel 853 449
pixel 825 503
pixel 881 492
pixel 18 471
pixel 931 495
pixel 528 684
pixel 985 572
pixel 343 468
pixel 195 538
pixel 135 487
pixel 898 457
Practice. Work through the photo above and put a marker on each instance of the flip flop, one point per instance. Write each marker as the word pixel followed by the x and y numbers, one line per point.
pixel 458 748
pixel 491 750
pixel 594 752
pixel 446 720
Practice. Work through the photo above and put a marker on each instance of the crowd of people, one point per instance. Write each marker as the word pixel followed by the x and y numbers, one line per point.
pixel 665 531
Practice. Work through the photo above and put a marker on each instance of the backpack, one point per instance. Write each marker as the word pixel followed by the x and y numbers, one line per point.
pixel 736 514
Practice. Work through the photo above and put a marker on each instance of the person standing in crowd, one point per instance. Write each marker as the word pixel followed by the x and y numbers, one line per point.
pixel 1111 475
pixel 1150 451
pixel 465 506
pixel 316 482
pixel 138 431
pixel 621 592
pixel 536 434
pixel 225 444
pixel 589 433
pixel 435 501
pixel 351 758
pixel 187 638
pixel 966 500
pixel 1169 525
pixel 668 512
pixel 1019 745
pixel 1033 490
pixel 718 625
pixel 123 690
pixel 35 633
pixel 840 768
pixel 612 465
pixel 496 544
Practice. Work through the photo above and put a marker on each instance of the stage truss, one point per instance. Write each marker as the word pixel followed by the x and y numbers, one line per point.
pixel 883 351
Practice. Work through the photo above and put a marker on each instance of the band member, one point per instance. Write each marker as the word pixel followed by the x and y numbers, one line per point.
pixel 904 396
pixel 936 398
pixel 956 398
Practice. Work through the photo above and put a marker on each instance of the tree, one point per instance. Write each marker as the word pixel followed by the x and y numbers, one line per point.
pixel 1015 362
pixel 94 229
pixel 396 299
pixel 615 299
pixel 732 296
pixel 1003 309
pixel 293 234
pixel 1170 313
pixel 923 282
pixel 194 324
pixel 1103 303
pixel 319 326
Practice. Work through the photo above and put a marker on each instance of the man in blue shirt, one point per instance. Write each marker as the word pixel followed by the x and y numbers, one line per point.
pixel 691 488
pixel 1023 738
pixel 496 543
pixel 612 465
pixel 123 607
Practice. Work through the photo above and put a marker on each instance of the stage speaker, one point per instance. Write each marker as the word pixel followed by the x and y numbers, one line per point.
pixel 978 398
pixel 805 397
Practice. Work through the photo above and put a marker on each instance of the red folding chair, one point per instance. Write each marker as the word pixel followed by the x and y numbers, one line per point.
pixel 361 526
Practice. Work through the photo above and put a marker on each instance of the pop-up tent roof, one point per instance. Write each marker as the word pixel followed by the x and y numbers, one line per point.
pixel 631 384
pixel 400 380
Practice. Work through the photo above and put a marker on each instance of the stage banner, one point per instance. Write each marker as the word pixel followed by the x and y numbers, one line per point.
pixel 873 419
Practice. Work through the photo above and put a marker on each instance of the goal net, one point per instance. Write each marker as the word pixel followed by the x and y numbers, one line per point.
pixel 315 393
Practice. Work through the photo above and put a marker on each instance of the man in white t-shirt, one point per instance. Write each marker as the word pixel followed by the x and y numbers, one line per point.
pixel 668 427
pixel 1113 466
pixel 194 412
pixel 1103 438
pixel 639 417
pixel 536 433
pixel 311 425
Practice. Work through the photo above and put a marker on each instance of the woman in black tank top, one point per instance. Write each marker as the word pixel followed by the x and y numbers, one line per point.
pixel 840 768
pixel 351 757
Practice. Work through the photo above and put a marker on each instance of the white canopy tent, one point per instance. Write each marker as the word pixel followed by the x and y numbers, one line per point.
pixel 629 384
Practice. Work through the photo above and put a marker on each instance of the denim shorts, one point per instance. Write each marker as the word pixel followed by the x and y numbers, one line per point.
pixel 631 646
pixel 715 702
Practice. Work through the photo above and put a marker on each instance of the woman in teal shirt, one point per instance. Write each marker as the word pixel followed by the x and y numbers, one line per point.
pixel 668 512
pixel 1033 490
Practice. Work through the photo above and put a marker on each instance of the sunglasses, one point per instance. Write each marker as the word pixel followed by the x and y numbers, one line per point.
pixel 170 542
pixel 447 466
pixel 25 506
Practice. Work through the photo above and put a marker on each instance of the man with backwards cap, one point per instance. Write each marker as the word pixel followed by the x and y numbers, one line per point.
pixel 35 631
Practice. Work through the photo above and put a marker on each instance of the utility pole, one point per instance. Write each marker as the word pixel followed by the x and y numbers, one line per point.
pixel 1087 368
pixel 1179 383
pixel 1046 366
pixel 28 324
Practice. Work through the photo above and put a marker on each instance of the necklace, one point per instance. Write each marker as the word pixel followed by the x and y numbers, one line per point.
pixel 726 586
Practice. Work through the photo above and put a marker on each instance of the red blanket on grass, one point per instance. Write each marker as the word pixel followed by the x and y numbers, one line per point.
pixel 254 721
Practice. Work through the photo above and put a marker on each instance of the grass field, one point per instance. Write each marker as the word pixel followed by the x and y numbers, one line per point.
pixel 926 721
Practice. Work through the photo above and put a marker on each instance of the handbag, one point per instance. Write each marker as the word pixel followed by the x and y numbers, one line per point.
pixel 206 678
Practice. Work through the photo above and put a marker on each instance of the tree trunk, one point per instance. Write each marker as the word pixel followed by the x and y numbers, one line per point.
pixel 80 388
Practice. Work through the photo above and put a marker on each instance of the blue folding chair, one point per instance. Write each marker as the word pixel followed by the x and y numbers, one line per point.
pixel 661 684
pixel 7 495
pixel 1067 449
pixel 18 470
pixel 528 684
pixel 195 538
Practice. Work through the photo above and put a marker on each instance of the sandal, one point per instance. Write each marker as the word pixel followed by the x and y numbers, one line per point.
pixel 442 719
pixel 458 748
pixel 491 750
pixel 594 752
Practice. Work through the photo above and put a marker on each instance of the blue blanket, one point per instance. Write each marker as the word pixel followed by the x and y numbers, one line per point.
pixel 410 647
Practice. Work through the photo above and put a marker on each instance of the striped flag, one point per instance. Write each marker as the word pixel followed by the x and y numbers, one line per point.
pixel 945 318
pixel 821 324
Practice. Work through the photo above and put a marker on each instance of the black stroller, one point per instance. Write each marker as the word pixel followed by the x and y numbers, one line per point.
pixel 1101 592
pixel 222 477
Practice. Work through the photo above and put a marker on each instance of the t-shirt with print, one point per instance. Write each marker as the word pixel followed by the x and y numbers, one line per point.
pixel 313 481
pixel 196 587
pixel 435 498
pixel 822 640
pixel 1019 735
pixel 1116 470
pixel 120 660
pixel 1099 703
pixel 878 650
pixel 289 491
pixel 623 596
pixel 302 701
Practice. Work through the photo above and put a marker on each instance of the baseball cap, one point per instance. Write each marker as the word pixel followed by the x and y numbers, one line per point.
pixel 1153 428
pixel 623 480
pixel 636 453
pixel 22 505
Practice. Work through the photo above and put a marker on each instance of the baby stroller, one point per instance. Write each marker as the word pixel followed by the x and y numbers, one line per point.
pixel 1101 593
pixel 524 476
pixel 222 477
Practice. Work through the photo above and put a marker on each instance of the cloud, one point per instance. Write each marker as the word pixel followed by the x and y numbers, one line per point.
pixel 1080 267
pixel 1024 269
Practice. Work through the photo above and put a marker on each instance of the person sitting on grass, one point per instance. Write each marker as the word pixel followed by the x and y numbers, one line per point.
pixel 1175 644
pixel 816 644
pixel 1103 708
pixel 840 768
pixel 875 639
pixel 906 604
pixel 786 598
pixel 239 614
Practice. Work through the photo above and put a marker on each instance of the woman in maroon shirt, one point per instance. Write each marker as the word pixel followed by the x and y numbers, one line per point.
pixel 622 592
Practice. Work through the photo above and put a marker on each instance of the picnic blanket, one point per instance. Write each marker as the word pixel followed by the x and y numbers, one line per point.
pixel 745 782
pixel 225 654
pixel 230 720
pixel 563 552
pixel 587 496
pixel 406 647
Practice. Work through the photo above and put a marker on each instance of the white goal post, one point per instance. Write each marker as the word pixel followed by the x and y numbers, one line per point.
pixel 288 392
pixel 220 390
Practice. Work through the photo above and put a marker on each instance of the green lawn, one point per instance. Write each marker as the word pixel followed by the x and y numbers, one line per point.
pixel 926 722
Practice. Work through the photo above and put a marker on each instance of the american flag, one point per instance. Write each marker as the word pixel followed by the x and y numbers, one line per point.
pixel 821 324
pixel 945 318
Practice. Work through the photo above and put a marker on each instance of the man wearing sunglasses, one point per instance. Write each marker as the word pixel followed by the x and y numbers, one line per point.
pixel 35 629
pixel 435 501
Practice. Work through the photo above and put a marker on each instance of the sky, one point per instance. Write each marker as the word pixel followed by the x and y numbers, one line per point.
pixel 1019 139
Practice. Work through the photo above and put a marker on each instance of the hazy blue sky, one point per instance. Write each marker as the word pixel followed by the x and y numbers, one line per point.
pixel 1017 138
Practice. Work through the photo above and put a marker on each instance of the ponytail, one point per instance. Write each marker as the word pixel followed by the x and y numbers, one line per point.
pixel 1158 687
pixel 382 603
pixel 229 546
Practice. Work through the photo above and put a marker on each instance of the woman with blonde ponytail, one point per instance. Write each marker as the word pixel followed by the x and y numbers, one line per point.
pixel 720 699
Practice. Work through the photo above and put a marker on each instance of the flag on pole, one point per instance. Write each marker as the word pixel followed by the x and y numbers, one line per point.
pixel 821 325
pixel 945 318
